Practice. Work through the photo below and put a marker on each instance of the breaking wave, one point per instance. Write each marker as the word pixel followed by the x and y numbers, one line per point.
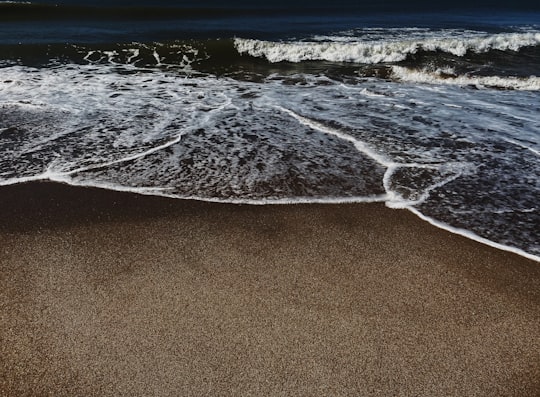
pixel 424 76
pixel 374 52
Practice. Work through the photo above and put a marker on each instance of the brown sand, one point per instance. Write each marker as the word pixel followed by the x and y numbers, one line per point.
pixel 112 294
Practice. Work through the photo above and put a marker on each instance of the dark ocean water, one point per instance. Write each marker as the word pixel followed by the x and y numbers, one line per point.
pixel 430 107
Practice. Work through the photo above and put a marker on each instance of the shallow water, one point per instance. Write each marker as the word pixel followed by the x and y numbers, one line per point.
pixel 436 112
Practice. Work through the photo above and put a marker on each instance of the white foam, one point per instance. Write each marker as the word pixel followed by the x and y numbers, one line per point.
pixel 381 51
pixel 148 191
pixel 88 55
pixel 359 145
pixel 127 158
pixel 134 53
pixel 531 83
pixel 170 55
pixel 157 58
pixel 111 55
pixel 398 202
pixel 370 93
pixel 514 142
pixel 357 52
pixel 473 236
pixel 142 153
pixel 24 179
pixel 393 198
pixel 165 192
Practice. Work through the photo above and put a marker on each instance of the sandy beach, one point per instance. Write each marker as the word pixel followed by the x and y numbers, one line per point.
pixel 114 294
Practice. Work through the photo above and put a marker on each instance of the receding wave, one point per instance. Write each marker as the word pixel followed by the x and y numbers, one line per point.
pixel 374 52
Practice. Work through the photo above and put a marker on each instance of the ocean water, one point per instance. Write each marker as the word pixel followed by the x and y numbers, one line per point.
pixel 432 108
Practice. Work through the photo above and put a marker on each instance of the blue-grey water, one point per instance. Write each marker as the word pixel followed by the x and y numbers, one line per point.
pixel 433 108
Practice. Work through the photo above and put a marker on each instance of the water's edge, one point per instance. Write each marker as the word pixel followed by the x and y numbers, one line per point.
pixel 301 201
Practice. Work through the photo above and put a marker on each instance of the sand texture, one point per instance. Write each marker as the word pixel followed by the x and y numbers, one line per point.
pixel 114 294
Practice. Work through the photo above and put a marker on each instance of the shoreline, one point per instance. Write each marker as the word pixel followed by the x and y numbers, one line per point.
pixel 112 293
pixel 306 201
pixel 473 236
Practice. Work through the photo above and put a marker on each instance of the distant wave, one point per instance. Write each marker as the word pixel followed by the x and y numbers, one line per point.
pixel 373 52
pixel 226 56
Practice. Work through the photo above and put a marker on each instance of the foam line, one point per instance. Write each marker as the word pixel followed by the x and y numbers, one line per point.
pixel 128 158
pixel 162 192
pixel 150 191
pixel 145 153
pixel 522 146
pixel 24 179
pixel 359 145
pixel 472 236
pixel 394 199
pixel 157 58
pixel 391 198
pixel 48 175
pixel 87 57
pixel 134 54
pixel 396 202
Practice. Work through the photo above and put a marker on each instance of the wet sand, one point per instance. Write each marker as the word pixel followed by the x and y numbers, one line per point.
pixel 114 294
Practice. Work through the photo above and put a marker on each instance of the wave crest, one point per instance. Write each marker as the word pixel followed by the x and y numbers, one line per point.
pixel 424 76
pixel 374 52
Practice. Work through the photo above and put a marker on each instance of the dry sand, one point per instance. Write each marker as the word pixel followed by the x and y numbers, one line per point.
pixel 111 294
